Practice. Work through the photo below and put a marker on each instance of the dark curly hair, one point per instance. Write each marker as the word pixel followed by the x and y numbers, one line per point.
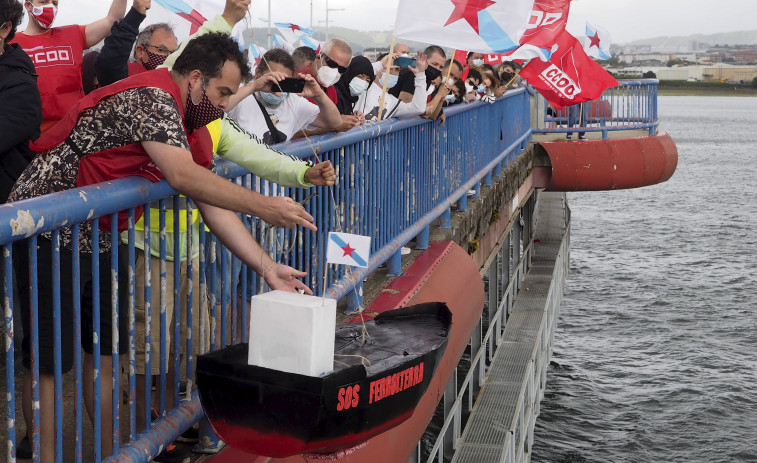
pixel 208 53
pixel 13 11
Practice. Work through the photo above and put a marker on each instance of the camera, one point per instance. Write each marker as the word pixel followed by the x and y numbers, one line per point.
pixel 289 85
pixel 405 61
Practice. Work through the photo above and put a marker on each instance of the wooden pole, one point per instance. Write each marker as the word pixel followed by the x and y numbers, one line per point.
pixel 389 63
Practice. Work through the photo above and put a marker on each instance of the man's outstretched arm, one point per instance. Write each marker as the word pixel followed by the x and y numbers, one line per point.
pixel 202 185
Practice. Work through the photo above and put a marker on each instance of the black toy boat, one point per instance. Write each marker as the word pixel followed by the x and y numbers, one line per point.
pixel 278 414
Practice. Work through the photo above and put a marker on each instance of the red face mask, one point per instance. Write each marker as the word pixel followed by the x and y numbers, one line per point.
pixel 200 114
pixel 45 14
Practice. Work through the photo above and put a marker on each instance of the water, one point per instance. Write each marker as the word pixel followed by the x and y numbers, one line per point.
pixel 655 356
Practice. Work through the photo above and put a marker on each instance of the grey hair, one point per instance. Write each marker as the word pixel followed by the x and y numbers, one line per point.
pixel 336 43
pixel 146 34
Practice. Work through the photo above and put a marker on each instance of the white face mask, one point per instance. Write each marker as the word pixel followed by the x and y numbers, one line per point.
pixel 468 87
pixel 327 76
pixel 358 86
pixel 478 62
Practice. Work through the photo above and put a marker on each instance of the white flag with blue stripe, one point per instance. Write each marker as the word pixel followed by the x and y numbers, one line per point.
pixel 597 42
pixel 348 249
pixel 485 26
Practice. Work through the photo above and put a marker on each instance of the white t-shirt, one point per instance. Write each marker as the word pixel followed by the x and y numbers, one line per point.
pixel 248 115
pixel 368 102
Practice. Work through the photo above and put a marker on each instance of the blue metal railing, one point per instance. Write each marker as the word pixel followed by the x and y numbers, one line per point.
pixel 632 105
pixel 394 179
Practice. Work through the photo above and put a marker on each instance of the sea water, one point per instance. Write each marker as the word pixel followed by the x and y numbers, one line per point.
pixel 655 356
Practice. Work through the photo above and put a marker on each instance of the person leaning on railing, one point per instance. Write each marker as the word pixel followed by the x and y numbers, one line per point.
pixel 233 143
pixel 142 126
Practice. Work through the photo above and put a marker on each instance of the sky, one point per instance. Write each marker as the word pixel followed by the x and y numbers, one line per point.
pixel 626 20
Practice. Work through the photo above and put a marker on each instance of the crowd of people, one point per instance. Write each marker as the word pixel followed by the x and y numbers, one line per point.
pixel 145 105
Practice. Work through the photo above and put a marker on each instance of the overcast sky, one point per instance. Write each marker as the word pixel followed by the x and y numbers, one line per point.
pixel 626 20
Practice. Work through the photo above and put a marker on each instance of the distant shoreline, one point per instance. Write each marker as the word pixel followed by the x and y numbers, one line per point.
pixel 704 90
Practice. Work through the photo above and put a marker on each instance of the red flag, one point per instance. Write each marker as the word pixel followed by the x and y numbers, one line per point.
pixel 547 22
pixel 570 76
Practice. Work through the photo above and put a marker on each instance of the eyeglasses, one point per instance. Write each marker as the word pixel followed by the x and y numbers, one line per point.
pixel 333 64
pixel 161 50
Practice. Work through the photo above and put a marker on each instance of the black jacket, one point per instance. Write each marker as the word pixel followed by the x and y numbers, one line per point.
pixel 112 64
pixel 20 117
pixel 345 100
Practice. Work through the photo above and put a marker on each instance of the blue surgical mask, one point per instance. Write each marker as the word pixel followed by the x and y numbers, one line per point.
pixel 272 99
pixel 392 80
pixel 478 62
pixel 450 98
pixel 481 88
pixel 358 86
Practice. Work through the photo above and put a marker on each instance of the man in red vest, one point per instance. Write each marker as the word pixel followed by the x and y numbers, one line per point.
pixel 139 126
pixel 57 53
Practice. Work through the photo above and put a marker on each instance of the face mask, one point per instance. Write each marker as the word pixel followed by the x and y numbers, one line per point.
pixel 327 76
pixel 468 87
pixel 272 99
pixel 153 60
pixel 481 88
pixel 392 80
pixel 451 81
pixel 45 15
pixel 450 98
pixel 200 114
pixel 358 86
pixel 432 73
pixel 478 62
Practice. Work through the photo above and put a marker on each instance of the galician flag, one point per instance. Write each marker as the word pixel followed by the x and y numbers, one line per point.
pixel 484 26
pixel 348 249
pixel 546 23
pixel 597 42
pixel 186 16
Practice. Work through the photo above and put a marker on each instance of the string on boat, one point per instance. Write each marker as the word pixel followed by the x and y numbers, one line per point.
pixel 339 225
pixel 363 360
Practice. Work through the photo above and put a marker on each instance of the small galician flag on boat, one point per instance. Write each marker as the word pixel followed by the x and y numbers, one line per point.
pixel 348 249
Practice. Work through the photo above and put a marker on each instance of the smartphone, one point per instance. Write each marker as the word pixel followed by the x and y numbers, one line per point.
pixel 405 61
pixel 290 85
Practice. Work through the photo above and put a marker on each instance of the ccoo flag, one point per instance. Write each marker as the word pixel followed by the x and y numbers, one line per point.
pixel 597 42
pixel 570 77
pixel 347 249
pixel 484 26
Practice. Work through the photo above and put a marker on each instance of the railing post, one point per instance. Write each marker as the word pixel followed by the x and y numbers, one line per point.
pixel 209 442
pixel 488 179
pixel 395 264
pixel 423 238
pixel 450 395
pixel 446 220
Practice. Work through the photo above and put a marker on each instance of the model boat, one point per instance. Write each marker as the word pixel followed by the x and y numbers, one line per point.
pixel 376 384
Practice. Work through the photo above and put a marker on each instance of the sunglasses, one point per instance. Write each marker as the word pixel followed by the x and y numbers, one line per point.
pixel 333 64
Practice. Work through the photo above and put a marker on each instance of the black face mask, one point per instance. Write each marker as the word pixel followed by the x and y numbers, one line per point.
pixel 431 74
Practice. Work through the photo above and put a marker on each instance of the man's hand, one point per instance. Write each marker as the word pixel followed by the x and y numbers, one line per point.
pixel 235 10
pixel 267 82
pixel 360 117
pixel 283 277
pixel 312 87
pixel 421 63
pixel 282 211
pixel 321 174
pixel 348 122
pixel 141 6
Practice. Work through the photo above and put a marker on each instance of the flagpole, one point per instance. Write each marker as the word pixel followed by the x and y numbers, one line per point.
pixel 389 63
pixel 325 275
pixel 449 69
pixel 513 78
